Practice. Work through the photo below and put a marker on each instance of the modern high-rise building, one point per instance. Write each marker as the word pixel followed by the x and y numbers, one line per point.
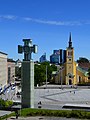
pixel 62 56
pixel 57 52
pixel 54 58
pixel 58 56
pixel 43 58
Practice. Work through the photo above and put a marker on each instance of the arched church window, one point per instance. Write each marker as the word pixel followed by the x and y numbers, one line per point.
pixel 69 53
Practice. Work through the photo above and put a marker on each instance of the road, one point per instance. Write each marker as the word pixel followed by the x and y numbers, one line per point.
pixel 43 118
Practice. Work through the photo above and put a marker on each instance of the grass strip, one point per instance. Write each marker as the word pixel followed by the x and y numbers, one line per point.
pixel 57 113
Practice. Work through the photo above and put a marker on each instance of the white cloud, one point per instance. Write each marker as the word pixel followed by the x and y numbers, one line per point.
pixel 49 22
pixel 61 23
pixel 8 17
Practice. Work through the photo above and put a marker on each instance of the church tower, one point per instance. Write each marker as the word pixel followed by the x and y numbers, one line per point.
pixel 70 64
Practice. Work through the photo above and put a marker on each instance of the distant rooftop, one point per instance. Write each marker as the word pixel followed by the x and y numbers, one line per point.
pixel 10 60
pixel 3 53
pixel 85 66
pixel 85 72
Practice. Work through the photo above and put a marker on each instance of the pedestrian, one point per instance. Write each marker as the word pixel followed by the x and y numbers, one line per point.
pixel 6 116
pixel 39 104
pixel 16 112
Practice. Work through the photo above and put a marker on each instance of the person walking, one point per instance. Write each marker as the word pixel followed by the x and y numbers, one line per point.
pixel 16 112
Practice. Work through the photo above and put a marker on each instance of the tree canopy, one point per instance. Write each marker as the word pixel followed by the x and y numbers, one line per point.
pixel 40 72
pixel 89 72
pixel 83 60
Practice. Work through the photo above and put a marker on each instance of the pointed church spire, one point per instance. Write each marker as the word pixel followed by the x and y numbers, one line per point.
pixel 70 37
pixel 70 41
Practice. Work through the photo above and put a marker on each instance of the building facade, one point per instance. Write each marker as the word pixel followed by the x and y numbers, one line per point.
pixel 43 58
pixel 3 69
pixel 58 56
pixel 11 71
pixel 54 58
pixel 18 63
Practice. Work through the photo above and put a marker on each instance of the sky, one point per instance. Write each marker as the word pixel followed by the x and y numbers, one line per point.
pixel 48 23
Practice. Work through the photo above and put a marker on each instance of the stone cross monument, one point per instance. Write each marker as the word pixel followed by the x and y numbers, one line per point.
pixel 27 73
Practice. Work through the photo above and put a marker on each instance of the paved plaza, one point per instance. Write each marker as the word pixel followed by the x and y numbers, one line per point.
pixel 53 97
pixel 56 98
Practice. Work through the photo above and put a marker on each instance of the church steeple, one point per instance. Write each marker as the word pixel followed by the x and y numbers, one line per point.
pixel 70 41
pixel 70 64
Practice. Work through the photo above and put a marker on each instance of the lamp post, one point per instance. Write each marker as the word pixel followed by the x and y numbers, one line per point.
pixel 46 76
pixel 27 73
pixel 61 68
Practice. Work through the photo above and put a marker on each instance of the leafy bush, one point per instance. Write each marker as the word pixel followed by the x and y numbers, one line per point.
pixel 58 113
pixel 5 104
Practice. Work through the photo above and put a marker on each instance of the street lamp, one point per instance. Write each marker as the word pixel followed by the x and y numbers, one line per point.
pixel 61 68
pixel 46 76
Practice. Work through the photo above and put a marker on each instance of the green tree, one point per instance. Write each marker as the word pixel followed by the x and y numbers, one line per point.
pixel 40 72
pixel 83 60
pixel 89 72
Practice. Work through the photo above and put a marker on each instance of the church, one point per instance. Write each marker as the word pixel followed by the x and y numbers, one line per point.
pixel 70 73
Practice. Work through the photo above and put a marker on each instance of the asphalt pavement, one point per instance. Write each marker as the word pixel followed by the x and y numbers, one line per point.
pixel 43 118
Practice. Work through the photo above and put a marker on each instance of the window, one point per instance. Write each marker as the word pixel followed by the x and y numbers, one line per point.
pixel 69 53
